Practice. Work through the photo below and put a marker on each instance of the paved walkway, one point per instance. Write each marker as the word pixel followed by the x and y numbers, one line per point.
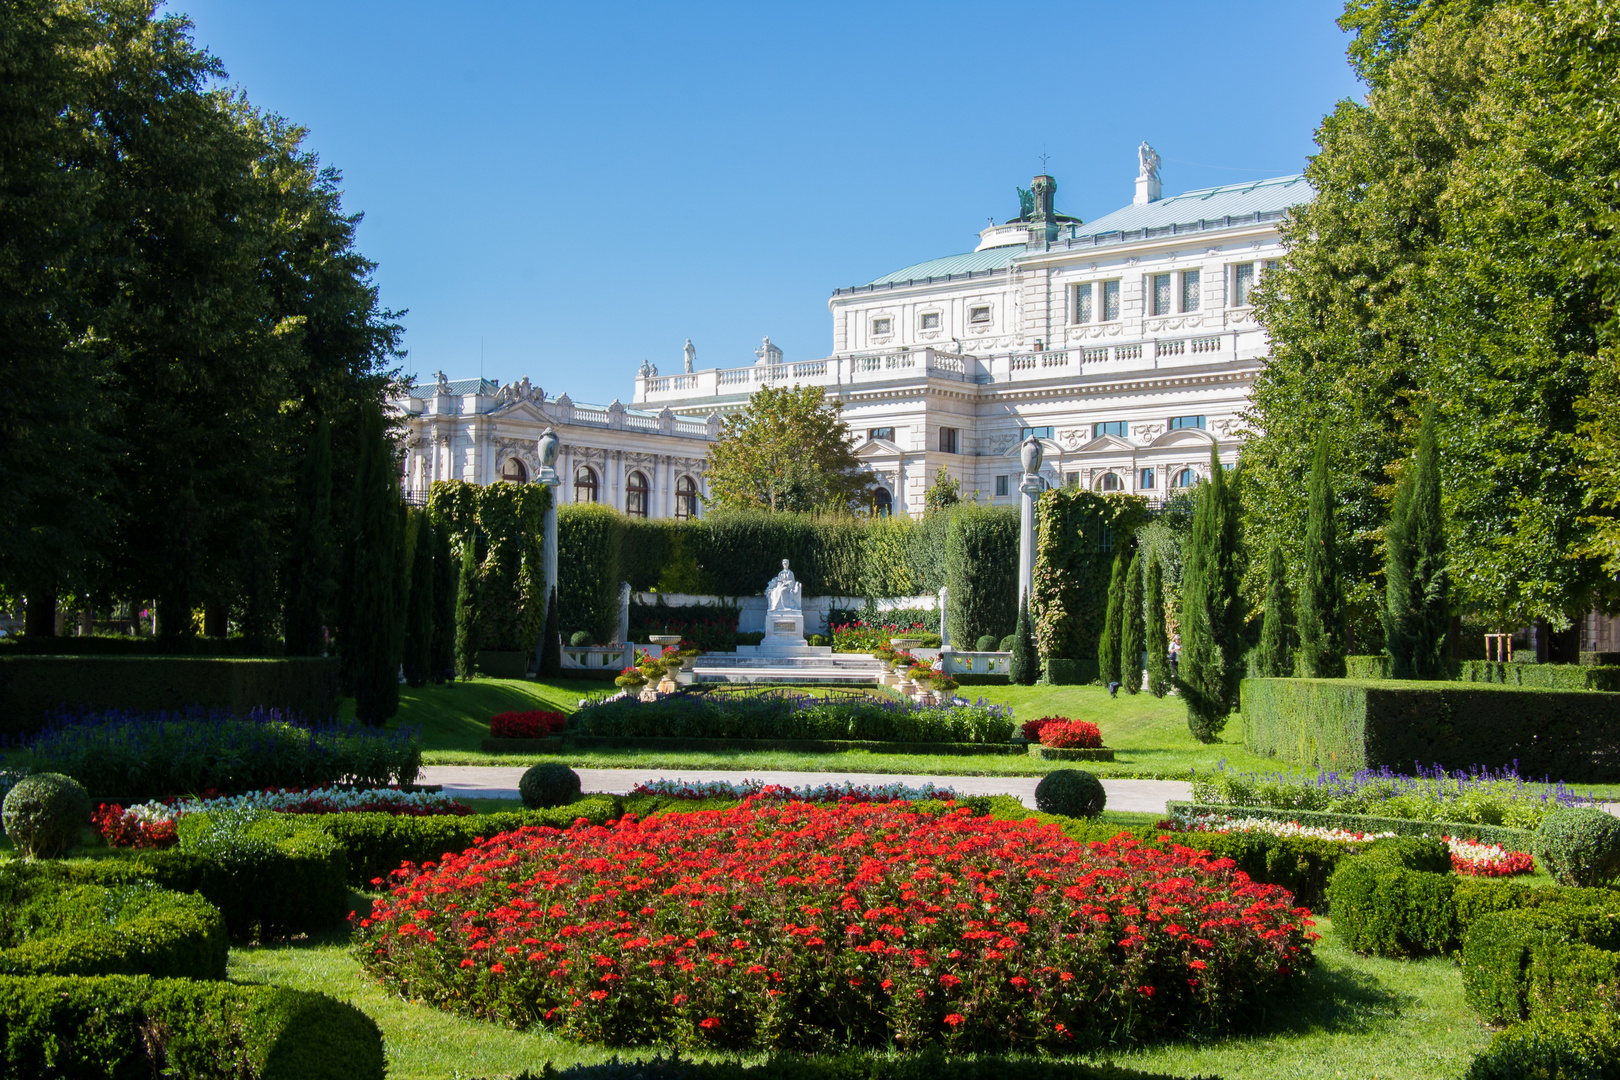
pixel 500 782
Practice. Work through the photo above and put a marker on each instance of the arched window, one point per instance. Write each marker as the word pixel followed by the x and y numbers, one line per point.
pixel 514 472
pixel 1186 478
pixel 882 502
pixel 635 494
pixel 686 498
pixel 585 484
pixel 1109 482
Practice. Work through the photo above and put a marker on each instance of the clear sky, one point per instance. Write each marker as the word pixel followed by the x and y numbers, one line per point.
pixel 563 191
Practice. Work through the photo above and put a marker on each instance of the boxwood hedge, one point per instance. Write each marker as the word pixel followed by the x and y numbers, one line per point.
pixel 135 929
pixel 1347 724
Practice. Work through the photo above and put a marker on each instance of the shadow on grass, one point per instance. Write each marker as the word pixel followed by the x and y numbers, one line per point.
pixel 1330 1000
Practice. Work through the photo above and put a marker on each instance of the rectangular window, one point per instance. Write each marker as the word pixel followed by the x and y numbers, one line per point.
pixel 1189 290
pixel 1001 485
pixel 881 326
pixel 1110 301
pixel 1145 481
pixel 881 433
pixel 1071 479
pixel 978 315
pixel 947 440
pixel 1242 283
pixel 1179 422
pixel 1038 432
pixel 930 320
pixel 1082 303
pixel 1112 427
pixel 1159 294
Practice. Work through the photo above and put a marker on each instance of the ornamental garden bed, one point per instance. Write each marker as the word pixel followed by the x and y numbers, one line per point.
pixel 1512 839
pixel 791 925
pixel 564 743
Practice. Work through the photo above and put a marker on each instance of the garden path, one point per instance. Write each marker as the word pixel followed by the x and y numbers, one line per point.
pixel 501 782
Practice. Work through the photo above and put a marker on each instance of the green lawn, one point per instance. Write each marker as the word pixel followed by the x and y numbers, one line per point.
pixel 1349 1016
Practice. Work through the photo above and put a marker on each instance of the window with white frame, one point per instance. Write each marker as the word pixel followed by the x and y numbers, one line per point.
pixel 1034 432
pixel 1001 486
pixel 1145 480
pixel 1110 301
pixel 979 315
pixel 1159 294
pixel 882 327
pixel 1242 283
pixel 1117 428
pixel 929 320
pixel 885 433
pixel 1178 423
pixel 1080 307
pixel 1189 289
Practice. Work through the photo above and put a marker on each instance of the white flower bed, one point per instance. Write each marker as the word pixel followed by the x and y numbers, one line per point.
pixel 1468 851
pixel 720 789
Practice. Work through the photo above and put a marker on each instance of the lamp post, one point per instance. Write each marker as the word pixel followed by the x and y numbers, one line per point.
pixel 1029 454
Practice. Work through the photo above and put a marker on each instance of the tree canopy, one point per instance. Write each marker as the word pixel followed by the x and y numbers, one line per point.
pixel 788 450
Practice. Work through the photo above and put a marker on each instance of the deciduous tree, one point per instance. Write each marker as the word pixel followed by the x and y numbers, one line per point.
pixel 788 450
pixel 1321 596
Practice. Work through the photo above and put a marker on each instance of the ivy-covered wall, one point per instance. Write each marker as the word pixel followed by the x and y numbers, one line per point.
pixel 1077 533
pixel 502 527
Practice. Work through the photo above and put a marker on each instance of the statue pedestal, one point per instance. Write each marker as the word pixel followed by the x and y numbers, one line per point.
pixel 784 628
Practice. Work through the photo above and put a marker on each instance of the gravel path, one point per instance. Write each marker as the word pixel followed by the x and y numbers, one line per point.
pixel 500 782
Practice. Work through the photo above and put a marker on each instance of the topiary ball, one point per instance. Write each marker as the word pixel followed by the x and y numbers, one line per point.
pixel 45 813
pixel 549 784
pixel 987 643
pixel 580 639
pixel 1577 847
pixel 1070 792
pixel 1007 643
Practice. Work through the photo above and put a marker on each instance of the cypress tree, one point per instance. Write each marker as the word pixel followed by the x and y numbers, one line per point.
pixel 1131 628
pixel 1158 638
pixel 373 637
pixel 421 606
pixel 467 606
pixel 1274 659
pixel 1321 596
pixel 442 662
pixel 311 558
pixel 1025 667
pixel 551 641
pixel 1211 627
pixel 1108 645
pixel 1417 614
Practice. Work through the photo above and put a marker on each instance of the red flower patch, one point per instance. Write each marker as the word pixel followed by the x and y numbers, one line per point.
pixel 1070 734
pixel 536 724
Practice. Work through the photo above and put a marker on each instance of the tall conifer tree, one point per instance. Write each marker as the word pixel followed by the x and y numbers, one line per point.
pixel 1158 636
pixel 467 607
pixel 372 639
pixel 1275 659
pixel 1108 646
pixel 1321 595
pixel 421 606
pixel 1211 622
pixel 1417 612
pixel 1025 667
pixel 442 665
pixel 1131 628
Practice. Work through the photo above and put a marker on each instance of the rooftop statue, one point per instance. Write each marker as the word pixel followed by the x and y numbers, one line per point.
pixel 1026 203
pixel 444 383
pixel 1147 160
pixel 784 593
pixel 691 356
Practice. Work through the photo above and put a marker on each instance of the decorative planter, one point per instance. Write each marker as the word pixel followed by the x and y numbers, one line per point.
pixel 664 639
pixel 503 664
pixel 905 642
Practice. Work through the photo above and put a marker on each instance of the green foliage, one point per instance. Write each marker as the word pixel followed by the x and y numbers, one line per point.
pixel 1275 657
pixel 880 1066
pixel 1384 906
pixel 45 813
pixel 1108 669
pixel 1211 609
pixel 1546 676
pixel 1321 597
pixel 790 716
pixel 1024 667
pixel 370 657
pixel 467 608
pixel 420 608
pixel 271 875
pixel 548 784
pixel 1158 636
pixel 1551 1047
pixel 311 558
pixel 123 1026
pixel 1071 793
pixel 945 491
pixel 1513 839
pixel 579 638
pixel 1076 535
pixel 502 526
pixel 589 541
pixel 981 569
pixel 551 641
pixel 94 930
pixel 1132 628
pixel 1346 725
pixel 987 643
pixel 1577 847
pixel 446 604
pixel 1417 607
pixel 788 450
pixel 1518 964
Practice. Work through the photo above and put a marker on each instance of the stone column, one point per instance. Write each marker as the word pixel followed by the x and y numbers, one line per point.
pixel 547 448
pixel 1030 454
pixel 944 626
pixel 623 637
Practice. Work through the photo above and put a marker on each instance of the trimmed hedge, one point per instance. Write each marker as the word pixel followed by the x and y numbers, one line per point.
pixel 1387 909
pixel 1071 753
pixel 1059 672
pixel 1556 1047
pixel 931 1066
pixel 1512 839
pixel 33 688
pixel 1366 667
pixel 1542 676
pixel 589 536
pixel 93 930
pixel 1558 958
pixel 793 716
pixel 125 645
pixel 803 746
pixel 1348 724
pixel 122 1026
pixel 981 568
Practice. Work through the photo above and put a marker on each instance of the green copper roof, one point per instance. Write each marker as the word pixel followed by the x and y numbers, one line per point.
pixel 995 258
pixel 1205 205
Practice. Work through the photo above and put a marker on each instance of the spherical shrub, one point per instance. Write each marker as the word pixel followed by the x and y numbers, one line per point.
pixel 987 643
pixel 1007 643
pixel 45 813
pixel 1070 792
pixel 549 784
pixel 580 639
pixel 1577 847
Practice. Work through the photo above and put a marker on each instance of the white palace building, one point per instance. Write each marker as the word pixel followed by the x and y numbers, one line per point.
pixel 1127 345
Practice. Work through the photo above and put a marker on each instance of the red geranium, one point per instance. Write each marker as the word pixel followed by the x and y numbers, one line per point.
pixel 526 725
pixel 1070 734
pixel 791 925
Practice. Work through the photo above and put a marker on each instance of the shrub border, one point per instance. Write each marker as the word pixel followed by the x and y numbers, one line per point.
pixel 1512 839
pixel 810 746
pixel 1071 753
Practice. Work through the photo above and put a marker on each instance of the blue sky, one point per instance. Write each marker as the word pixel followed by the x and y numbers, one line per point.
pixel 565 191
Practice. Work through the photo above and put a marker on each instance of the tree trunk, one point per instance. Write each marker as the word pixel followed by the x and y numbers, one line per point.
pixel 215 622
pixel 39 618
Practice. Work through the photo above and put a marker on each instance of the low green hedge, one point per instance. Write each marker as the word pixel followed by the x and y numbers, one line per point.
pixel 92 930
pixel 850 1067
pixel 1555 1047
pixel 789 715
pixel 1071 753
pixel 1059 672
pixel 1555 958
pixel 565 743
pixel 32 688
pixel 1366 667
pixel 1348 724
pixel 117 1027
pixel 1511 839
pixel 1543 676
pixel 124 645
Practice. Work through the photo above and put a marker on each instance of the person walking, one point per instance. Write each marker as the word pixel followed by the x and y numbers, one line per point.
pixel 1175 655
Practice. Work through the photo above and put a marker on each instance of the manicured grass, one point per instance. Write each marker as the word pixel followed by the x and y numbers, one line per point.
pixel 1348 1016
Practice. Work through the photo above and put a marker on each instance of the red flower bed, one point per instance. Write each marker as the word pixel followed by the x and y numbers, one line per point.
pixel 796 926
pixel 123 829
pixel 1071 734
pixel 526 725
pixel 1032 728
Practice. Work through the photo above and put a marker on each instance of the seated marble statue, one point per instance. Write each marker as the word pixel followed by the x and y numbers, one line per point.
pixel 784 592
